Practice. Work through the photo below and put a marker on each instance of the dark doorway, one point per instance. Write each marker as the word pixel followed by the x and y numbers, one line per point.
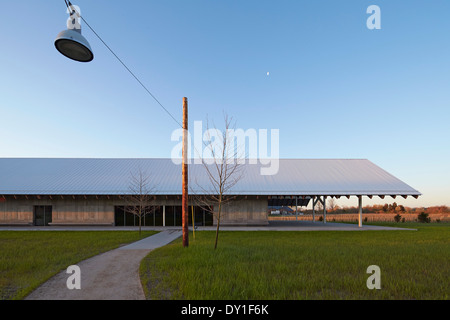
pixel 42 215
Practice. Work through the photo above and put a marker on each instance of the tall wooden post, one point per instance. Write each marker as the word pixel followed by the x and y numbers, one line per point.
pixel 185 209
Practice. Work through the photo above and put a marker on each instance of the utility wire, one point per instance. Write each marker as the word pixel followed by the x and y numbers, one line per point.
pixel 68 4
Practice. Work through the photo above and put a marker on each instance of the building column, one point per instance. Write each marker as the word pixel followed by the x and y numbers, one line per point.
pixel 324 209
pixel 314 208
pixel 360 211
pixel 164 216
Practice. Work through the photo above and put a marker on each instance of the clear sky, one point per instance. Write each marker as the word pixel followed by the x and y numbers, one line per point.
pixel 311 69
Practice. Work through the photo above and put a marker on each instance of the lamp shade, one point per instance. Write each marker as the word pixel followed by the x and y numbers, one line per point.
pixel 73 45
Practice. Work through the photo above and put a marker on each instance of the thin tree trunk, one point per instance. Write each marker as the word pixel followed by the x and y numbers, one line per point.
pixel 218 223
pixel 217 233
pixel 140 217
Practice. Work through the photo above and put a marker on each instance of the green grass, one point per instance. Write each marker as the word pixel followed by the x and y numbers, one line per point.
pixel 29 258
pixel 303 265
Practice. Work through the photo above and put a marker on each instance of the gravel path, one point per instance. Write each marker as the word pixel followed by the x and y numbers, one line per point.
pixel 113 275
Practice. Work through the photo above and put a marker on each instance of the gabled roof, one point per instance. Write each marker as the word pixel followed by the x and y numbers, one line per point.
pixel 67 176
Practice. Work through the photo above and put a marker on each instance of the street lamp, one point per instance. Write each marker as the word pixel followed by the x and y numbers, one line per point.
pixel 70 42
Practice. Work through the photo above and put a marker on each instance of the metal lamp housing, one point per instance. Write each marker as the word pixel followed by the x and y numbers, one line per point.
pixel 73 45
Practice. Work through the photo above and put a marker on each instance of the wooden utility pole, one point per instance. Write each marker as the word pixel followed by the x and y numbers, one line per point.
pixel 185 208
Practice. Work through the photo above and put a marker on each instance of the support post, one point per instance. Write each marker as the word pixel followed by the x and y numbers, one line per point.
pixel 164 216
pixel 314 209
pixel 360 211
pixel 324 209
pixel 184 200
pixel 296 211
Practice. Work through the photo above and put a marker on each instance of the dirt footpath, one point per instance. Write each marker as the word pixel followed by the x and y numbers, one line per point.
pixel 113 275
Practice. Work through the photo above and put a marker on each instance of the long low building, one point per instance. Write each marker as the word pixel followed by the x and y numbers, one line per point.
pixel 64 191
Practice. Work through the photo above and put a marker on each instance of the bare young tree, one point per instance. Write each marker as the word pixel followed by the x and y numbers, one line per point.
pixel 139 198
pixel 223 170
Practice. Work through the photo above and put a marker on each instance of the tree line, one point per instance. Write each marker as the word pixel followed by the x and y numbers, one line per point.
pixel 386 208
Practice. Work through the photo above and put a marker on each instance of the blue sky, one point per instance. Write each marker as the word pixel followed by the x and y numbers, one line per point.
pixel 335 89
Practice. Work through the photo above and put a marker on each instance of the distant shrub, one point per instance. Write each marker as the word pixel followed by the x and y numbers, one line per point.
pixel 320 218
pixel 423 217
pixel 365 219
pixel 398 218
pixel 403 219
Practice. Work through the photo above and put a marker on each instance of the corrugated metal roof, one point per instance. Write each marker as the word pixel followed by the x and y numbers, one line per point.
pixel 65 176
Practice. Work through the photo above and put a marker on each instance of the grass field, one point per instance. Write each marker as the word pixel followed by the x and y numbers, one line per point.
pixel 29 258
pixel 303 265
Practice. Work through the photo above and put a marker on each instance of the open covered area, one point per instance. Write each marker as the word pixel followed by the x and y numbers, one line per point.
pixel 51 192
